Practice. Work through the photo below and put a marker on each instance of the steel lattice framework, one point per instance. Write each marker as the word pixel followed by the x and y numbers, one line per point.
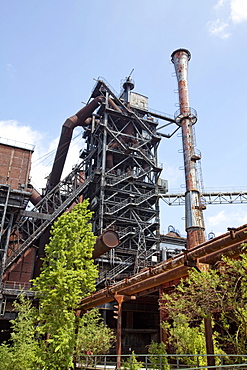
pixel 121 160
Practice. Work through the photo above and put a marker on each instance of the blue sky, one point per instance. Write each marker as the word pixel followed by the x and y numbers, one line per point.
pixel 51 52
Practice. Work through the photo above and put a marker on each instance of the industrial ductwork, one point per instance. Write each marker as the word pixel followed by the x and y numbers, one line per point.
pixel 79 119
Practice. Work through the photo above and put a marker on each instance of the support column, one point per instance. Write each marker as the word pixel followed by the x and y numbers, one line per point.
pixel 119 298
pixel 163 333
pixel 209 341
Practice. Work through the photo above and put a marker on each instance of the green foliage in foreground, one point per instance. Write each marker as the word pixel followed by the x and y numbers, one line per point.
pixel 46 338
pixel 158 361
pixel 190 340
pixel 23 354
pixel 221 296
pixel 67 275
pixel 93 337
pixel 132 363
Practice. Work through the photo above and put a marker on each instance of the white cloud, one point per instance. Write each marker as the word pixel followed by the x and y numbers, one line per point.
pixel 217 219
pixel 42 158
pixel 220 4
pixel 174 176
pixel 13 130
pixel 229 12
pixel 219 222
pixel 238 11
pixel 219 28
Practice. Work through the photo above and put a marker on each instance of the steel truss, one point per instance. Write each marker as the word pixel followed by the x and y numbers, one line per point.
pixel 33 223
pixel 207 197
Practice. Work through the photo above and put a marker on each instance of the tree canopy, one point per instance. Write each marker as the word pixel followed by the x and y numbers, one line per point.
pixel 218 293
pixel 68 274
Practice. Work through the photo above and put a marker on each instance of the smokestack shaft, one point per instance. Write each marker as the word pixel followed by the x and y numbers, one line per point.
pixel 193 210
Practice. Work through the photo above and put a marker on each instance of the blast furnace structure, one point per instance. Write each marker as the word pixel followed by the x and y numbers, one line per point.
pixel 120 174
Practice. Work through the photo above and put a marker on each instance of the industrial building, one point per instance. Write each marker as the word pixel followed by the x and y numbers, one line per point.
pixel 120 173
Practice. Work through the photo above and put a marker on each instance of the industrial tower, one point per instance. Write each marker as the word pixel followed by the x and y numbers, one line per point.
pixel 120 159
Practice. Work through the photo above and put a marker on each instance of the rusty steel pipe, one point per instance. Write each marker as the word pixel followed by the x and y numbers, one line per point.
pixel 108 294
pixel 156 280
pixel 35 197
pixel 105 242
pixel 114 105
pixel 193 210
pixel 79 119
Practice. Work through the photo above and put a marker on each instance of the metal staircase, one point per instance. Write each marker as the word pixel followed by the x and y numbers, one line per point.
pixel 110 275
pixel 130 201
pixel 121 267
pixel 54 203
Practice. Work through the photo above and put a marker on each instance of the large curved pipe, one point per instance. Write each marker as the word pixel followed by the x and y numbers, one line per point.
pixel 79 119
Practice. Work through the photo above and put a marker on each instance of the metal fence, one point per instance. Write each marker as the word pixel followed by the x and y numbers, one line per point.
pixel 161 362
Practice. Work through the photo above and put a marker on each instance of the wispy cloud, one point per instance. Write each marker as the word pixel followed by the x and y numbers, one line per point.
pixel 225 218
pixel 228 12
pixel 219 28
pixel 11 71
pixel 220 3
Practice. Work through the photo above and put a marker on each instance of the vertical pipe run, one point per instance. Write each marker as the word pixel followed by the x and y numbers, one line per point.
pixel 103 166
pixel 193 210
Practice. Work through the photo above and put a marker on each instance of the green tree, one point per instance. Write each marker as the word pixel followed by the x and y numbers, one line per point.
pixel 221 295
pixel 67 275
pixel 94 336
pixel 23 354
pixel 190 340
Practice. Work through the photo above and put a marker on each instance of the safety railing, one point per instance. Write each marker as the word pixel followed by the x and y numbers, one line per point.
pixel 15 288
pixel 161 362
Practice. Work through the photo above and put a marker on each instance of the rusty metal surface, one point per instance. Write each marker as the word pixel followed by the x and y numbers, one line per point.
pixel 193 209
pixel 231 251
pixel 119 298
pixel 106 241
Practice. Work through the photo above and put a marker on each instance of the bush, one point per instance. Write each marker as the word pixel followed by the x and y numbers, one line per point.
pixel 158 360
pixel 132 363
